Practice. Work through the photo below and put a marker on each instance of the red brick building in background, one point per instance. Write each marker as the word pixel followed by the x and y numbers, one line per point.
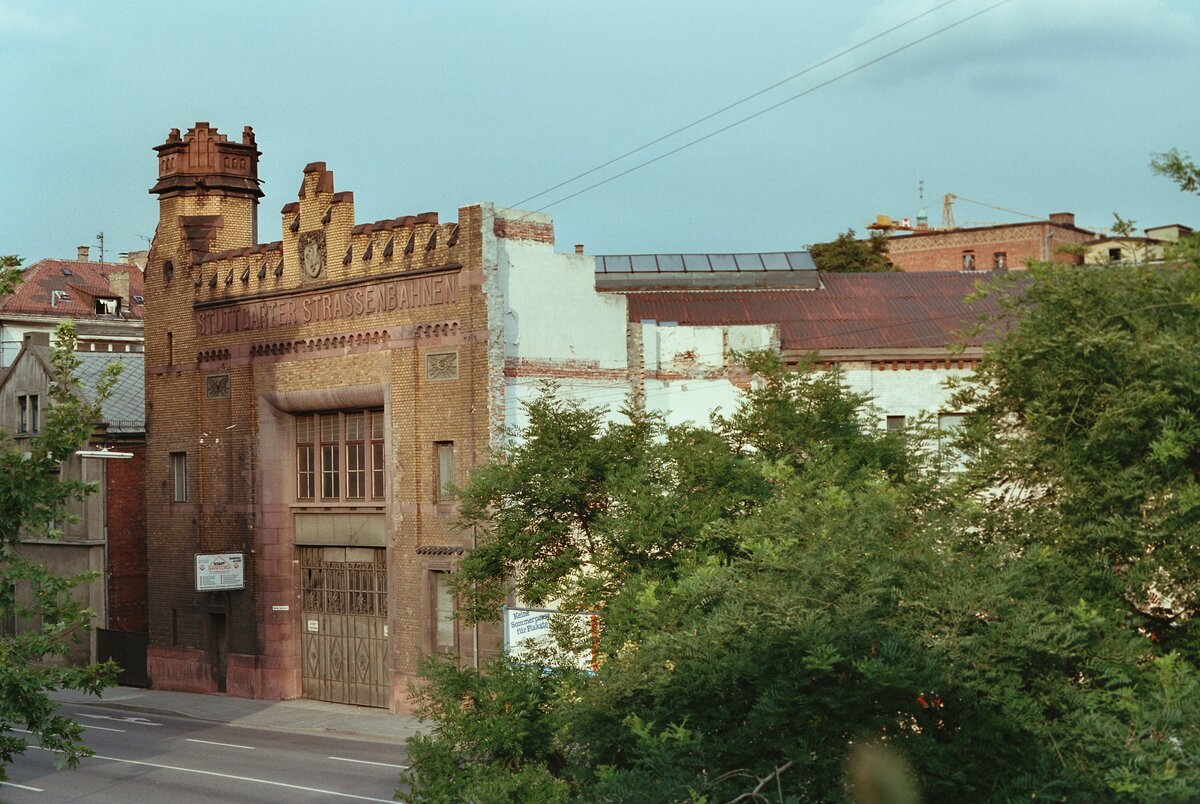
pixel 1000 247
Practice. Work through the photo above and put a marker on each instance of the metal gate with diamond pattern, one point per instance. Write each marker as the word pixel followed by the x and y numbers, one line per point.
pixel 344 625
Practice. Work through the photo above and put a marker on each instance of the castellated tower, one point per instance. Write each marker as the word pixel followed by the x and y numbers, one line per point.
pixel 208 191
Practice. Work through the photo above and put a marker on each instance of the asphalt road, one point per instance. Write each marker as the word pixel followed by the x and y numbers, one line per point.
pixel 151 758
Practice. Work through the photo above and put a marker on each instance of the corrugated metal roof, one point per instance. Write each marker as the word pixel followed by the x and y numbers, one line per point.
pixel 848 311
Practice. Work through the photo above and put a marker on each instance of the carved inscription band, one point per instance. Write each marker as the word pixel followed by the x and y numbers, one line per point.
pixel 350 303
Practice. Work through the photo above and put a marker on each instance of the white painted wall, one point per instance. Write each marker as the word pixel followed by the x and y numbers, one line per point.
pixel 553 317
pixel 903 392
pixel 552 310
pixel 12 335
pixel 697 353
pixel 556 326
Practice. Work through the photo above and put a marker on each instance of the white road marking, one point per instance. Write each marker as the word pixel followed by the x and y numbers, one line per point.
pixel 367 762
pixel 245 779
pixel 101 728
pixel 23 787
pixel 141 721
pixel 227 745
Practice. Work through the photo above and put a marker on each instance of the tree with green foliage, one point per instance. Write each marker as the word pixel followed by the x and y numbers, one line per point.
pixel 849 255
pixel 856 629
pixel 32 499
pixel 573 492
pixel 10 273
pixel 1179 168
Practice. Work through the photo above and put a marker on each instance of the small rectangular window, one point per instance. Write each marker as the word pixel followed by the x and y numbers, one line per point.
pixel 445 470
pixel 377 485
pixel 1000 261
pixel 330 457
pixel 968 261
pixel 106 306
pixel 356 456
pixel 443 612
pixel 306 470
pixel 179 477
pixel 28 418
pixel 1114 255
pixel 895 423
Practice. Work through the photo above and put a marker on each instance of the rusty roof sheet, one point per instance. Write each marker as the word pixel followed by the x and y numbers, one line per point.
pixel 848 311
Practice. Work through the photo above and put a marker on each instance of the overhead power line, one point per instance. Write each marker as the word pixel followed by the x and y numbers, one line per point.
pixel 739 102
pixel 1001 209
pixel 772 107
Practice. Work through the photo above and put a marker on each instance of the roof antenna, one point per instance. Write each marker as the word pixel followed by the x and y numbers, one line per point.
pixel 100 240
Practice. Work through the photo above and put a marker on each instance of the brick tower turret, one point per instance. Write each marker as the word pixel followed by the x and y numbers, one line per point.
pixel 208 192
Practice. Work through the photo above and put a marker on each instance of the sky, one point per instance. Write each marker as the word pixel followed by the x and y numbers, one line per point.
pixel 1036 106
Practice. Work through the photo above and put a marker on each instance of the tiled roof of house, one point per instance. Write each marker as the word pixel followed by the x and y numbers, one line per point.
pixel 847 311
pixel 125 409
pixel 68 288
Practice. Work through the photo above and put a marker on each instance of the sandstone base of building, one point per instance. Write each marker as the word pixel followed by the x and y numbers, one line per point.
pixel 180 669
pixel 193 670
pixel 401 701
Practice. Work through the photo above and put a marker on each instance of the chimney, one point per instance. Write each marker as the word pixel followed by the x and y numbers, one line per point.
pixel 37 338
pixel 81 253
pixel 579 248
pixel 118 285
pixel 1063 218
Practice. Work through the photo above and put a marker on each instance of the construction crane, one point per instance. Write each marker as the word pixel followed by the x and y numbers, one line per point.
pixel 884 223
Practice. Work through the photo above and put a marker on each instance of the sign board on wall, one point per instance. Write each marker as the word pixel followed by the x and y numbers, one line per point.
pixel 216 572
pixel 532 635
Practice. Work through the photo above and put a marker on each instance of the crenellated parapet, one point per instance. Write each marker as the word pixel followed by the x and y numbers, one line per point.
pixel 321 244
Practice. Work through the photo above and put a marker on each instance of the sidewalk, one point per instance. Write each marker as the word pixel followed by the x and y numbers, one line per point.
pixel 300 715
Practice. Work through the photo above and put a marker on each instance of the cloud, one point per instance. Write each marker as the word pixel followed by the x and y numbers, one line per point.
pixel 17 22
pixel 1028 37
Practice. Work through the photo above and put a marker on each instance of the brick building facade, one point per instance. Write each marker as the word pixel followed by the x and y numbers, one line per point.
pixel 985 248
pixel 312 402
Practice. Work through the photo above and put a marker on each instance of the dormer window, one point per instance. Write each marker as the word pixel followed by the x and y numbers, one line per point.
pixel 108 306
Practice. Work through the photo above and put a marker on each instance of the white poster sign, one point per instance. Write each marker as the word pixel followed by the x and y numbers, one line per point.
pixel 219 571
pixel 532 635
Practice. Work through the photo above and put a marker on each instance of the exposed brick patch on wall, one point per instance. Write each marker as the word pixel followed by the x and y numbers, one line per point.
pixel 524 230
